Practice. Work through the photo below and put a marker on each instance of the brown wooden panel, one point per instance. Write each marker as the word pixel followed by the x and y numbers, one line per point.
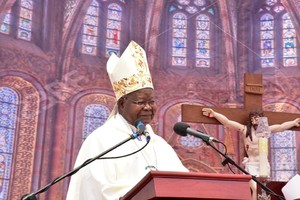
pixel 190 185
pixel 193 113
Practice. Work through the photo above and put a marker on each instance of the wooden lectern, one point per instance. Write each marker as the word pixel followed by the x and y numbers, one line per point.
pixel 190 185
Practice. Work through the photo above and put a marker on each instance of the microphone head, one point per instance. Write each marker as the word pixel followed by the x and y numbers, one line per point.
pixel 180 128
pixel 140 126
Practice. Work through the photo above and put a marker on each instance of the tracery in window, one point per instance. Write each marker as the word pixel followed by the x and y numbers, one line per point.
pixel 8 116
pixel 271 2
pixel 22 26
pixel 267 40
pixel 114 17
pixel 179 38
pixel 110 20
pixel 202 41
pixel 283 148
pixel 25 20
pixel 191 33
pixel 90 29
pixel 278 41
pixel 5 25
pixel 289 42
pixel 94 116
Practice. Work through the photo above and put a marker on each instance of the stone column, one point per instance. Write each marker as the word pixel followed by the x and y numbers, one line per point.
pixel 59 131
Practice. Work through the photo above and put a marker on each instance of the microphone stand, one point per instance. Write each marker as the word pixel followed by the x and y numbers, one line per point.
pixel 229 160
pixel 32 196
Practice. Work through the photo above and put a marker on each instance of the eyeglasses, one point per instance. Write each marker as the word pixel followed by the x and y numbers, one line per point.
pixel 143 103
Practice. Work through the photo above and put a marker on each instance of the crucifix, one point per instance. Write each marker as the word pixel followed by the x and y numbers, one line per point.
pixel 253 91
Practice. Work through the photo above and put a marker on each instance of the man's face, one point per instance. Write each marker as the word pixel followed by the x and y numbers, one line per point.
pixel 138 105
pixel 254 120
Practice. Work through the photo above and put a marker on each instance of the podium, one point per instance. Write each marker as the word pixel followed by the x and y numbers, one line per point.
pixel 190 185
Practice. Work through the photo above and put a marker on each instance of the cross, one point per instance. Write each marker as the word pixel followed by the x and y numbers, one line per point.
pixel 253 91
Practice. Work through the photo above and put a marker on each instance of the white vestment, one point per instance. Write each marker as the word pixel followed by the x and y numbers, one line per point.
pixel 110 179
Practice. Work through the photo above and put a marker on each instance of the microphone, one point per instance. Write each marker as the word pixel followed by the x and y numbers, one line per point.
pixel 141 129
pixel 140 126
pixel 183 129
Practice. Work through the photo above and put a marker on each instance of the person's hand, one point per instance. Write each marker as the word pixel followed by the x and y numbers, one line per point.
pixel 297 122
pixel 208 112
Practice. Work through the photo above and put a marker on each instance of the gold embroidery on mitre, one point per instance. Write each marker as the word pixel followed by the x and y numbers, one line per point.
pixel 141 79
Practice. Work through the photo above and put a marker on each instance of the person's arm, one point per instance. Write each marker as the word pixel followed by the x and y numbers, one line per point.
pixel 223 119
pixel 285 125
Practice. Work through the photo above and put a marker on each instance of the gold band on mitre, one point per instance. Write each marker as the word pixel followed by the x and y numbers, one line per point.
pixel 130 72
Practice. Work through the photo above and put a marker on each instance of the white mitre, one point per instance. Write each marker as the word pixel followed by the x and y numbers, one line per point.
pixel 130 72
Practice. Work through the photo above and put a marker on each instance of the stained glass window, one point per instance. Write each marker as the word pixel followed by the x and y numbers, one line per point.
pixel 8 117
pixel 179 40
pixel 289 41
pixel 190 141
pixel 114 17
pixel 271 2
pixel 267 40
pixel 22 27
pixel 90 29
pixel 283 148
pixel 112 34
pixel 25 20
pixel 94 117
pixel 199 2
pixel 202 41
pixel 278 41
pixel 5 25
pixel 184 2
pixel 191 33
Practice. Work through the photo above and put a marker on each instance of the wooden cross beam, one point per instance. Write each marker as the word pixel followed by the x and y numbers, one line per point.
pixel 253 91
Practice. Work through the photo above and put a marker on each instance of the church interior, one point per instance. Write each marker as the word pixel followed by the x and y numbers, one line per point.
pixel 54 88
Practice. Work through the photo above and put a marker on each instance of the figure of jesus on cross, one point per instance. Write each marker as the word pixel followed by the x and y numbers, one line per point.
pixel 251 140
pixel 245 121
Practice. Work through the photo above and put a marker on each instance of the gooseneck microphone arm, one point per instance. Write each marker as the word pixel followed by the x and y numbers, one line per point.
pixel 32 196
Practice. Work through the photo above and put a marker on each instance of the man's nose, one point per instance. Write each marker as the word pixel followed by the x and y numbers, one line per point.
pixel 147 106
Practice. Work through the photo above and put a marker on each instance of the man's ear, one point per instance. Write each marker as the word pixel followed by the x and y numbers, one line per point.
pixel 121 102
